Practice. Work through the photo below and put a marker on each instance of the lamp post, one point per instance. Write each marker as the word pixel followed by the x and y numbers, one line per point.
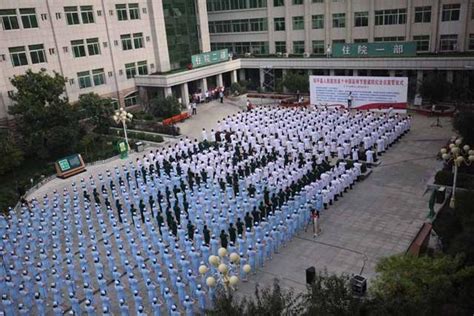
pixel 122 116
pixel 228 267
pixel 459 156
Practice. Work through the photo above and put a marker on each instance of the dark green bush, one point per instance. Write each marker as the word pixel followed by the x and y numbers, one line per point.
pixel 445 177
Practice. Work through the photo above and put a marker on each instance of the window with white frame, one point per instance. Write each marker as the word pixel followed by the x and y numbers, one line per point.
pixel 18 56
pixel 279 24
pixel 28 18
pixel 127 43
pixel 122 13
pixel 318 47
pixel 423 14
pixel 93 46
pixel 451 12
pixel 317 21
pixel 422 43
pixel 339 20
pixel 78 48
pixel 298 23
pixel 37 53
pixel 142 68
pixel 131 99
pixel 87 14
pixel 130 70
pixel 9 19
pixel 390 17
pixel 448 42
pixel 98 75
pixel 280 47
pixel 138 40
pixel 84 79
pixel 298 47
pixel 72 15
pixel 134 11
pixel 361 19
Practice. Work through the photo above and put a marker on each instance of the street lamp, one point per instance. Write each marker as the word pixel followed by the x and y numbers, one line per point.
pixel 227 266
pixel 458 155
pixel 122 116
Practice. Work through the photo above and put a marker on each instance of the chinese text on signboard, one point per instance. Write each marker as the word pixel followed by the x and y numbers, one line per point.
pixel 210 58
pixel 387 49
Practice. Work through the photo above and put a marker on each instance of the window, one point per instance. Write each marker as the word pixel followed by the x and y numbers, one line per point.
pixel 448 43
pixel 338 41
pixel 126 41
pixel 115 104
pixel 390 39
pixel 422 43
pixel 134 11
pixel 131 99
pixel 279 24
pixel 298 23
pixel 142 68
pixel 361 19
pixel 87 14
pixel 296 2
pixel 37 53
pixel 122 14
pixel 318 1
pixel 390 17
pixel 278 3
pixel 138 40
pixel 84 79
pixel 98 75
pixel 130 70
pixel 18 56
pixel 339 20
pixel 317 21
pixel 28 18
pixel 470 44
pixel 72 15
pixel 451 12
pixel 361 40
pixel 298 47
pixel 93 46
pixel 423 14
pixel 258 25
pixel 318 47
pixel 78 48
pixel 257 4
pixel 280 47
pixel 9 19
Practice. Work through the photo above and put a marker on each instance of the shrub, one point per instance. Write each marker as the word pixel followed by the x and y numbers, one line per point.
pixel 445 177
pixel 164 107
pixel 463 122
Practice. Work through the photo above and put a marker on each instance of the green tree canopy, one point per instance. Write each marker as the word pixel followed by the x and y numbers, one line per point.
pixel 10 155
pixel 99 110
pixel 295 82
pixel 164 107
pixel 44 118
pixel 435 88
pixel 463 122
pixel 408 285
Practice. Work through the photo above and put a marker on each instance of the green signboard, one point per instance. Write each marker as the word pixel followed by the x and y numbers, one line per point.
pixel 123 149
pixel 382 49
pixel 69 163
pixel 210 58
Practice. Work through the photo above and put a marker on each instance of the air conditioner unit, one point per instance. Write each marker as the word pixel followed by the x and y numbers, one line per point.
pixel 279 54
pixel 248 54
pixel 306 55
pixel 286 55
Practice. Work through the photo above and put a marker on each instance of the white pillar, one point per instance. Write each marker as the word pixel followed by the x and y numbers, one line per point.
pixel 168 92
pixel 204 84
pixel 262 77
pixel 233 76
pixel 205 40
pixel 450 76
pixel 419 80
pixel 241 74
pixel 355 72
pixel 331 72
pixel 391 73
pixel 220 81
pixel 185 93
pixel 283 73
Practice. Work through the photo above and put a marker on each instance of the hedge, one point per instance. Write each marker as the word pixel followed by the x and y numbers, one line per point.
pixel 464 180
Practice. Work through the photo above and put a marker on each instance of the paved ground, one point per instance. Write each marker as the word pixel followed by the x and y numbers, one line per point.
pixel 379 217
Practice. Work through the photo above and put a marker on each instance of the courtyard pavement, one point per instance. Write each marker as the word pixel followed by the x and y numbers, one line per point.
pixel 378 218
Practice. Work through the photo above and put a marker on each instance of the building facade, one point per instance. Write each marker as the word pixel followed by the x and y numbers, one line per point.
pixel 131 50
pixel 98 45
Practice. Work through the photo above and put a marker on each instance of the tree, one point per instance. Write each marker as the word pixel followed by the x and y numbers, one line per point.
pixel 295 82
pixel 463 122
pixel 99 110
pixel 408 285
pixel 331 295
pixel 164 107
pixel 45 120
pixel 10 155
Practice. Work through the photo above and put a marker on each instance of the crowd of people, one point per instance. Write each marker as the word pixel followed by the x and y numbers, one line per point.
pixel 131 240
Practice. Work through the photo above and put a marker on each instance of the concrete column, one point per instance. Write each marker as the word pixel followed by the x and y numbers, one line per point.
pixel 220 81
pixel 168 92
pixel 160 43
pixel 204 84
pixel 283 73
pixel 331 72
pixel 307 27
pixel 355 72
pixel 205 42
pixel 262 77
pixel 435 20
pixel 288 27
pixel 327 24
pixel 143 95
pixel 409 20
pixel 419 79
pixel 271 28
pixel 241 74
pixel 450 76
pixel 233 76
pixel 349 21
pixel 464 21
pixel 372 20
pixel 185 94
pixel 391 73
